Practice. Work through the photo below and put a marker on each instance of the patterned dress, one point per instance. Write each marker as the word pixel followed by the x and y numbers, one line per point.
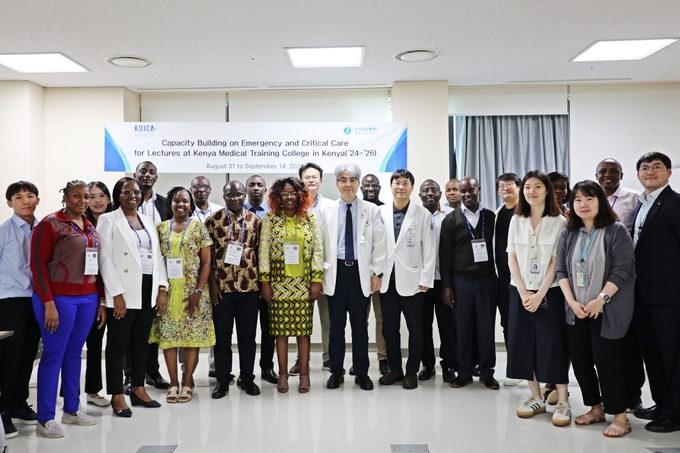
pixel 175 328
pixel 291 311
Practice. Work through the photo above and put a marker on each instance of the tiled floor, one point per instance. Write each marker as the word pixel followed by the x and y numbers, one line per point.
pixel 471 419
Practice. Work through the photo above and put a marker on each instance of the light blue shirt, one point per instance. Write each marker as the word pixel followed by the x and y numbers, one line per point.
pixel 201 215
pixel 259 210
pixel 15 255
pixel 342 216
pixel 647 201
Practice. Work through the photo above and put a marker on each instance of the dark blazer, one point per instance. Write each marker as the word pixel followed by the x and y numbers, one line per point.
pixel 163 207
pixel 657 252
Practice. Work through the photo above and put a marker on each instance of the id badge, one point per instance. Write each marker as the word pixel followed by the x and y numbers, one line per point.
pixel 146 258
pixel 175 267
pixel 535 267
pixel 291 253
pixel 234 253
pixel 479 250
pixel 581 276
pixel 91 261
pixel 410 242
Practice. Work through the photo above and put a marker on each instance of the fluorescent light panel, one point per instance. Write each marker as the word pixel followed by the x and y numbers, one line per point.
pixel 326 57
pixel 637 49
pixel 41 63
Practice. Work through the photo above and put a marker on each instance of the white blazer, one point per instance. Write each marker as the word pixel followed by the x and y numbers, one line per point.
pixel 121 269
pixel 370 244
pixel 415 265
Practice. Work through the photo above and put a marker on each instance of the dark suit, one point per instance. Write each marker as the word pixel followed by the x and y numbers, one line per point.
pixel 657 299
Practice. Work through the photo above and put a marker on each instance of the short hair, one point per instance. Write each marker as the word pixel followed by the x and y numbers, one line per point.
pixel 650 157
pixel 200 176
pixel 508 177
pixel 310 165
pixel 20 186
pixel 403 173
pixel 109 207
pixel 351 168
pixel 274 199
pixel 556 176
pixel 255 176
pixel 370 175
pixel 609 159
pixel 431 180
pixel 146 162
pixel 118 187
pixel 551 207
pixel 605 214
pixel 174 191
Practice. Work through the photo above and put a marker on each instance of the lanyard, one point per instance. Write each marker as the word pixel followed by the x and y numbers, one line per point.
pixel 138 238
pixel 243 226
pixel 285 224
pixel 481 213
pixel 86 236
pixel 615 198
pixel 585 251
pixel 206 213
pixel 181 242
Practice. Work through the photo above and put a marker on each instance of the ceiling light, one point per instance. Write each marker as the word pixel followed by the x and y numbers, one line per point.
pixel 326 57
pixel 129 62
pixel 636 49
pixel 41 62
pixel 416 55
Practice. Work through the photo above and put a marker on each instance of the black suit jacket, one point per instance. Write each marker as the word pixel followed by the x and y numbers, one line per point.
pixel 657 252
pixel 163 207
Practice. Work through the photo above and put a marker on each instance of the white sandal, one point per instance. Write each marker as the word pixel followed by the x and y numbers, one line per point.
pixel 186 394
pixel 172 395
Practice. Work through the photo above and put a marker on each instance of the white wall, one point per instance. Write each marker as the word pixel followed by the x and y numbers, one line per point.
pixel 508 100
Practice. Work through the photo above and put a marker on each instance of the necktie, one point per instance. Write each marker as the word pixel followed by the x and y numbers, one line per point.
pixel 349 237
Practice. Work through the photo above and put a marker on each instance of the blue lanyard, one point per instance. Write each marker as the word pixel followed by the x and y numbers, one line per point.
pixel 481 213
pixel 615 198
pixel 205 213
pixel 86 236
pixel 181 242
pixel 585 251
pixel 231 229
pixel 139 238
pixel 285 224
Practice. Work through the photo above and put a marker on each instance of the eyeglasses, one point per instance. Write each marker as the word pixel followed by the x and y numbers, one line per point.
pixel 348 180
pixel 401 184
pixel 370 186
pixel 289 194
pixel 234 196
pixel 128 192
pixel 201 186
pixel 506 186
pixel 654 168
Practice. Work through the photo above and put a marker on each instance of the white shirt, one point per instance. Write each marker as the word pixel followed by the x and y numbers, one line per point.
pixel 201 215
pixel 623 202
pixel 647 203
pixel 528 246
pixel 148 208
pixel 473 217
pixel 436 225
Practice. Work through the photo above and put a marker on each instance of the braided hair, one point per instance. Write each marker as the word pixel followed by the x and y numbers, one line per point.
pixel 69 186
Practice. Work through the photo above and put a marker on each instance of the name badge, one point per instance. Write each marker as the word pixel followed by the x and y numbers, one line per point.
pixel 146 258
pixel 234 253
pixel 291 253
pixel 91 261
pixel 581 276
pixel 410 242
pixel 175 267
pixel 479 251
pixel 535 267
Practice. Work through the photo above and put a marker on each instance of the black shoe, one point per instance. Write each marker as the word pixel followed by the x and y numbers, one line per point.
pixel 476 372
pixel 448 374
pixel 250 387
pixel 662 425
pixel 461 381
pixel 212 374
pixel 270 376
pixel 383 367
pixel 25 415
pixel 351 370
pixel 391 377
pixel 157 381
pixel 10 430
pixel 489 382
pixel 220 390
pixel 410 381
pixel 651 413
pixel 364 382
pixel 137 401
pixel 127 385
pixel 335 380
pixel 124 413
pixel 426 374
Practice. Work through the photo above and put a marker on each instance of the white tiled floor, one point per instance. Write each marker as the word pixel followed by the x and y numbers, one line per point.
pixel 471 419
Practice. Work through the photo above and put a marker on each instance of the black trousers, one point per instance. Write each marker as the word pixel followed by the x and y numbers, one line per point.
pixel 503 302
pixel 348 298
pixel 133 330
pixel 474 306
pixel 93 364
pixel 241 308
pixel 433 304
pixel 267 342
pixel 17 352
pixel 588 350
pixel 633 367
pixel 658 330
pixel 393 305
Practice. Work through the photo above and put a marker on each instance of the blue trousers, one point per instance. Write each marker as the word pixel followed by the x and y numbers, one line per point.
pixel 62 351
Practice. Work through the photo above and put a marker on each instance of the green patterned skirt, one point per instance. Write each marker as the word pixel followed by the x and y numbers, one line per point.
pixel 291 312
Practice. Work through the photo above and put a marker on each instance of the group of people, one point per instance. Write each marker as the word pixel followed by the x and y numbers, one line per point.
pixel 579 275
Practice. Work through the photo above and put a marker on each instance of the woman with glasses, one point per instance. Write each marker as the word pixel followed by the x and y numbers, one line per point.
pixel 136 288
pixel 596 271
pixel 291 271
pixel 187 322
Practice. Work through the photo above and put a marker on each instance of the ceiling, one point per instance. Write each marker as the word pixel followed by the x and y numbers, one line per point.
pixel 237 44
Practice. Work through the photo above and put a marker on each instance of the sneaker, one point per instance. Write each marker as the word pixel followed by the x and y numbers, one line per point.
pixel 562 414
pixel 98 401
pixel 10 429
pixel 531 407
pixel 51 430
pixel 511 382
pixel 25 415
pixel 81 418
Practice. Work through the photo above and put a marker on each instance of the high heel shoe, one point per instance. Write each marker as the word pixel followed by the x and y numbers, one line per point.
pixel 137 401
pixel 282 385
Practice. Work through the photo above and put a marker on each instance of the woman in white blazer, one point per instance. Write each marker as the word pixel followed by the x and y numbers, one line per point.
pixel 135 282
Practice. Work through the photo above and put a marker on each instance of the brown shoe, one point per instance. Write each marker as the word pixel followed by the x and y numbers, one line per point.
pixel 295 369
pixel 410 381
pixel 326 365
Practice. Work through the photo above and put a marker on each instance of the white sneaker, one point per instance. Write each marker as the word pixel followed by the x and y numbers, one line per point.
pixel 51 430
pixel 531 407
pixel 509 382
pixel 98 401
pixel 81 418
pixel 562 414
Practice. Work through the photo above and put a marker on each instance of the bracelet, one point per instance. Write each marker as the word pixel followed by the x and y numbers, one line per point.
pixel 163 288
pixel 102 304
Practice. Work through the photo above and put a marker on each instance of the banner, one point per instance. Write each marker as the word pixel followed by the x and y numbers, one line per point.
pixel 254 147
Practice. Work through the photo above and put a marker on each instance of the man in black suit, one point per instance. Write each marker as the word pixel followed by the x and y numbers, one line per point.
pixel 656 234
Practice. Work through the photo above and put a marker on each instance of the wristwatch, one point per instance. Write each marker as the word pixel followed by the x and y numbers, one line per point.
pixel 380 275
pixel 198 291
pixel 605 298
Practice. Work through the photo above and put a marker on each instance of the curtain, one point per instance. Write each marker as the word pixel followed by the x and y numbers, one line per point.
pixel 488 146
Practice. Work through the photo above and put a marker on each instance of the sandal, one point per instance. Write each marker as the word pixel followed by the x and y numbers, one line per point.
pixel 588 419
pixel 282 386
pixel 304 383
pixel 171 396
pixel 618 428
pixel 185 395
